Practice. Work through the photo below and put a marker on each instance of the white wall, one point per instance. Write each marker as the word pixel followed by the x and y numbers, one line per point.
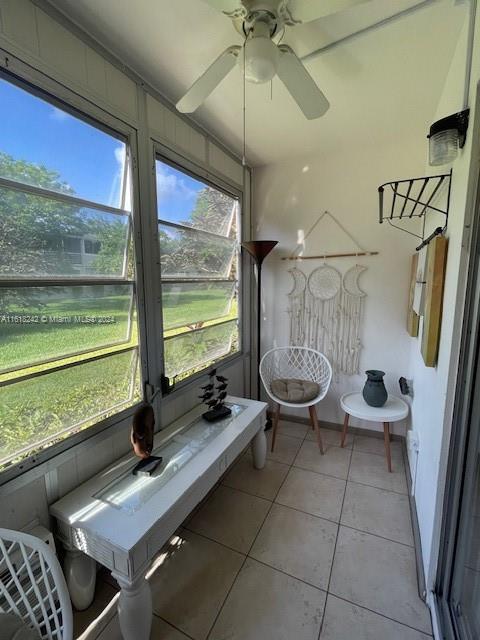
pixel 42 48
pixel 288 199
pixel 434 387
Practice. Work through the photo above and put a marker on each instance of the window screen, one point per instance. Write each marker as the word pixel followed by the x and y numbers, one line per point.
pixel 198 231
pixel 68 328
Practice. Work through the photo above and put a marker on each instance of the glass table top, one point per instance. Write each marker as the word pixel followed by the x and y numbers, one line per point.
pixel 129 493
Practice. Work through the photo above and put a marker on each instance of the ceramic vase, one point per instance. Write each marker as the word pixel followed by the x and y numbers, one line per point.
pixel 374 392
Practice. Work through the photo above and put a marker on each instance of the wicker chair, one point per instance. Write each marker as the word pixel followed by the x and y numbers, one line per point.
pixel 300 363
pixel 33 588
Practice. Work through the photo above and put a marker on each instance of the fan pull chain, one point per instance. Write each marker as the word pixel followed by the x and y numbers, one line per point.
pixel 244 158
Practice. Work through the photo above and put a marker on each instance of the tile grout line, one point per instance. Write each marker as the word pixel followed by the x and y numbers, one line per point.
pixel 373 453
pixel 319 473
pixel 285 573
pixel 382 615
pixel 307 513
pixel 314 586
pixel 246 555
pixel 354 603
pixel 335 546
pixel 173 626
pixel 272 501
pixel 376 535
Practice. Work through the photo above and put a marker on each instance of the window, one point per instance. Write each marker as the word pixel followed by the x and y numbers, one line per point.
pixel 92 246
pixel 198 230
pixel 68 326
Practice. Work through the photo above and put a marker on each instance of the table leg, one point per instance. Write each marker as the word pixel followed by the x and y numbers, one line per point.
pixel 134 609
pixel 259 449
pixel 80 574
pixel 386 436
pixel 345 429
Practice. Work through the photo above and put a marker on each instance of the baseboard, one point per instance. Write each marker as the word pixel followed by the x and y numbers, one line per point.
pixel 335 426
pixel 422 585
pixel 433 606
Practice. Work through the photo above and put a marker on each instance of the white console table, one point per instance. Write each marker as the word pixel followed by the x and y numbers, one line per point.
pixel 122 521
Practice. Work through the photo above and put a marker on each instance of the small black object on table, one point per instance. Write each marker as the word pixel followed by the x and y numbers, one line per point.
pixel 214 397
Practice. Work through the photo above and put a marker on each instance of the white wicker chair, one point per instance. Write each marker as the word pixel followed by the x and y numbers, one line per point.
pixel 301 363
pixel 32 586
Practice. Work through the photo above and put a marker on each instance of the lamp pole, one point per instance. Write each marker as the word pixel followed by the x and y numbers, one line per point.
pixel 259 250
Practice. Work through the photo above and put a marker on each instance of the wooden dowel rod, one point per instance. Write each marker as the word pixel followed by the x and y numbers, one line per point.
pixel 333 255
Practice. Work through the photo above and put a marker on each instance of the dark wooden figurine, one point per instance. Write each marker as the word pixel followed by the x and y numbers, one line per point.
pixel 141 435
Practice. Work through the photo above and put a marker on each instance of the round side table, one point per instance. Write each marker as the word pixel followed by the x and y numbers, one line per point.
pixel 393 410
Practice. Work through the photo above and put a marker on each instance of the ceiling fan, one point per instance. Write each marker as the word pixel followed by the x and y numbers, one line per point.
pixel 261 23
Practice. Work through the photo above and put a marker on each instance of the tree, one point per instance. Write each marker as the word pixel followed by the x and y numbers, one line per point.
pixel 32 228
pixel 187 253
pixel 213 212
pixel 112 238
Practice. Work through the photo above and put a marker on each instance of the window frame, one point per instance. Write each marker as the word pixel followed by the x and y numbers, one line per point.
pixel 56 94
pixel 194 170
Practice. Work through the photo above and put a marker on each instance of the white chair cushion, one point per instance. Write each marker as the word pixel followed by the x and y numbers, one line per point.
pixel 13 628
pixel 294 390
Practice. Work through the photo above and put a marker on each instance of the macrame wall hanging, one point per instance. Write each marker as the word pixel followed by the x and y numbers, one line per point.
pixel 326 309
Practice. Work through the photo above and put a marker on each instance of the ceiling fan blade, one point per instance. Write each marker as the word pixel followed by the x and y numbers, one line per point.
pixel 208 81
pixel 301 84
pixel 308 10
pixel 232 8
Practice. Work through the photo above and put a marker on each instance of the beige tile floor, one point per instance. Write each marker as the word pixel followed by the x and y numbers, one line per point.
pixel 309 548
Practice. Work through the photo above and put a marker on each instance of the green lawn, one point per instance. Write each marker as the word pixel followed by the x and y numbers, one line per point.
pixel 63 329
pixel 186 304
pixel 66 401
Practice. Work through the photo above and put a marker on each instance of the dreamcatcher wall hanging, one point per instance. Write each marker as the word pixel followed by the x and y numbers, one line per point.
pixel 326 309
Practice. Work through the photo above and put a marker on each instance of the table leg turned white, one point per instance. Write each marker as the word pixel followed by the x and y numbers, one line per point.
pixel 259 449
pixel 80 574
pixel 134 609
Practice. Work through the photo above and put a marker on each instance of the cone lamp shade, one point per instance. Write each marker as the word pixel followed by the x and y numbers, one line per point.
pixel 259 249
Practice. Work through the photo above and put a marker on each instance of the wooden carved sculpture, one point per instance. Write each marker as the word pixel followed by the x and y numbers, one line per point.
pixel 141 435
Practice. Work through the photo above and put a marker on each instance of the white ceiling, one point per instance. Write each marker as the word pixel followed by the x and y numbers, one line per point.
pixel 381 85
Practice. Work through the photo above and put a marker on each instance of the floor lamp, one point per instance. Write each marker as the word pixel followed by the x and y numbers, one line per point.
pixel 259 250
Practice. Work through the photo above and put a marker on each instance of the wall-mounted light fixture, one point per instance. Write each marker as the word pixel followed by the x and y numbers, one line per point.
pixel 446 137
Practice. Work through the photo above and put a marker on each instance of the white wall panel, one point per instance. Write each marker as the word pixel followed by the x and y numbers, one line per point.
pixel 225 164
pixel 23 505
pixel 166 126
pixel 198 145
pixel 156 116
pixel 121 91
pixel 34 36
pixel 60 50
pixel 67 477
pixel 18 23
pixel 96 76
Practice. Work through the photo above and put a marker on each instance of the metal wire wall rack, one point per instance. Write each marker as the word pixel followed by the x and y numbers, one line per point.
pixel 413 198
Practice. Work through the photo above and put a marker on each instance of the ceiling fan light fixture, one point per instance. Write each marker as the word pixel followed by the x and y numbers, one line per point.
pixel 261 59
